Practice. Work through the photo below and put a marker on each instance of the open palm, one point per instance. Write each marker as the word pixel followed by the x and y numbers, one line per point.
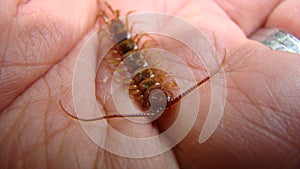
pixel 40 41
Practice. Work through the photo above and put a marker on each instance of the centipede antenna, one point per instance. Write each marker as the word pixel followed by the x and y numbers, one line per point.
pixel 107 116
pixel 110 8
pixel 104 17
pixel 126 18
pixel 178 98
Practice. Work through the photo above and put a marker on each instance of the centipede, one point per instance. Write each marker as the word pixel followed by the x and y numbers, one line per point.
pixel 148 88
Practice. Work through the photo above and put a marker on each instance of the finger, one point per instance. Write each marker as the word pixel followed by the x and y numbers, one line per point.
pixel 248 15
pixel 261 117
pixel 34 36
pixel 35 126
pixel 286 17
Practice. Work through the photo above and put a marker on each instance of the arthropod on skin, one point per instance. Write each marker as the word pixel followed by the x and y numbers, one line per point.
pixel 148 87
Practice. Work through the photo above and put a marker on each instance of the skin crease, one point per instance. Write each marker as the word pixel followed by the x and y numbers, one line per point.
pixel 38 47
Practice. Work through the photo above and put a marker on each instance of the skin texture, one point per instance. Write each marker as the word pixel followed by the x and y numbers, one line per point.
pixel 39 43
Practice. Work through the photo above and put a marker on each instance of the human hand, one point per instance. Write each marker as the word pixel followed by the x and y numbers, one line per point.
pixel 40 42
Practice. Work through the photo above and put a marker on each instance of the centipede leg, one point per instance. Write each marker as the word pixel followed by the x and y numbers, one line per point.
pixel 139 36
pixel 103 31
pixel 170 85
pixel 126 19
pixel 104 117
pixel 103 16
pixel 133 90
pixel 121 77
pixel 134 37
pixel 147 42
pixel 105 34
pixel 162 76
pixel 114 12
pixel 166 77
pixel 114 60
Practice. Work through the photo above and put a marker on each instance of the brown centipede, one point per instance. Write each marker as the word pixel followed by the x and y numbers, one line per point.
pixel 147 87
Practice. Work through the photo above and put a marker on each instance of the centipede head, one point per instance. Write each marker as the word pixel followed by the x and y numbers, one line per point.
pixel 118 30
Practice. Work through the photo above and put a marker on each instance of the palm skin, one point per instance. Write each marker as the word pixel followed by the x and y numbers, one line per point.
pixel 40 42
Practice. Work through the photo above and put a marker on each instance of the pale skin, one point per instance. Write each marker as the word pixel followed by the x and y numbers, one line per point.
pixel 39 44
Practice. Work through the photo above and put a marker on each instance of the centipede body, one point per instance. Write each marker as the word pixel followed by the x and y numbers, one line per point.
pixel 147 87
